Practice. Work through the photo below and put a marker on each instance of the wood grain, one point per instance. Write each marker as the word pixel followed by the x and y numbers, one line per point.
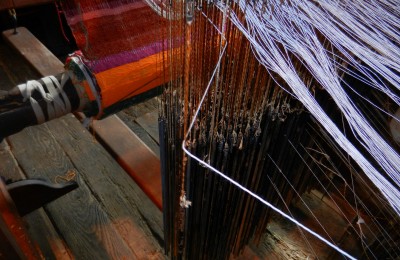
pixel 135 216
pixel 35 53
pixel 140 132
pixel 142 108
pixel 149 122
pixel 145 172
pixel 126 222
pixel 133 155
pixel 38 225
pixel 85 225
pixel 13 69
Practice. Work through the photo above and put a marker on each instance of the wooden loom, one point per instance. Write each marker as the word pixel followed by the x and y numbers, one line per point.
pixel 182 240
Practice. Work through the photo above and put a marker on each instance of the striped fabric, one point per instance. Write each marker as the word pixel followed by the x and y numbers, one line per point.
pixel 122 42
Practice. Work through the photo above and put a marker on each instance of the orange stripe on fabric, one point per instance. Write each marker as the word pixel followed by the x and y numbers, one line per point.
pixel 131 79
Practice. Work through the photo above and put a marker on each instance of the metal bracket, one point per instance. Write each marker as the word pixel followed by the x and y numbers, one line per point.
pixel 32 194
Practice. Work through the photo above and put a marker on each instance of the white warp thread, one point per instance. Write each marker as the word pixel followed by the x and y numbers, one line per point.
pixel 293 27
pixel 287 25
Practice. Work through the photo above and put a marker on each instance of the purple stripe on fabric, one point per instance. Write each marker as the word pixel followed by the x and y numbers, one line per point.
pixel 122 58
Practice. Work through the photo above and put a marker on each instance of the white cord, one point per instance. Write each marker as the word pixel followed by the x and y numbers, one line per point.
pixel 57 101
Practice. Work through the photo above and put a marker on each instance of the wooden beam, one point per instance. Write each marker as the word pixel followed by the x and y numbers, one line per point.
pixel 130 152
pixel 148 122
pixel 35 53
pixel 8 4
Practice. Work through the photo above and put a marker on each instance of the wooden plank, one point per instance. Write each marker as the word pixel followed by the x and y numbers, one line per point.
pixel 142 224
pixel 41 59
pixel 140 132
pixel 7 4
pixel 92 234
pixel 13 68
pixel 133 155
pixel 145 128
pixel 149 122
pixel 8 166
pixel 142 108
pixel 38 224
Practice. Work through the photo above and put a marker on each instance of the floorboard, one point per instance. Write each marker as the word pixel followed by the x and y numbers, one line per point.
pixel 38 224
pixel 140 132
pixel 133 155
pixel 13 69
pixel 126 202
pixel 149 123
pixel 84 223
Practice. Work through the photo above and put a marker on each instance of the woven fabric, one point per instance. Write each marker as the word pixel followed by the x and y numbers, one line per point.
pixel 122 42
pixel 112 33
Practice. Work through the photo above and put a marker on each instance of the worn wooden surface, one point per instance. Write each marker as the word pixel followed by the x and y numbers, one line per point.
pixel 132 117
pixel 38 224
pixel 34 52
pixel 108 216
pixel 147 121
pixel 143 166
pixel 13 69
pixel 103 208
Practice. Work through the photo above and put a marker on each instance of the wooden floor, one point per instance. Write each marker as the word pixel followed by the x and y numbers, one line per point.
pixel 108 216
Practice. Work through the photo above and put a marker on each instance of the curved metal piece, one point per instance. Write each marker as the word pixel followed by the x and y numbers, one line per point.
pixel 32 194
